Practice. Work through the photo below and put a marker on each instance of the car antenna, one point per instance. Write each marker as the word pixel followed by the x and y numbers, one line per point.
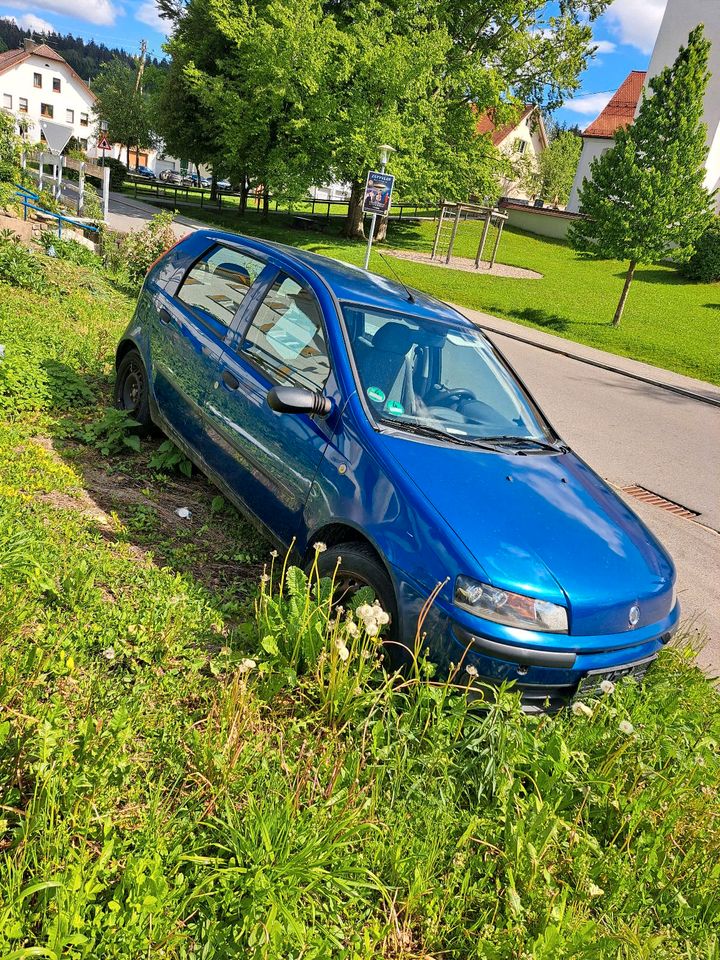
pixel 402 283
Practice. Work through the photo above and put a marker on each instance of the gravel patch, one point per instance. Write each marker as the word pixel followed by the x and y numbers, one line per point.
pixel 465 263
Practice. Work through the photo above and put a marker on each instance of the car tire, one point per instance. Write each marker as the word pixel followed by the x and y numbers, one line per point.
pixel 360 567
pixel 132 390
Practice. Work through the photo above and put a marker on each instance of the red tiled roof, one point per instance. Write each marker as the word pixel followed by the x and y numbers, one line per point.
pixel 486 124
pixel 13 58
pixel 620 111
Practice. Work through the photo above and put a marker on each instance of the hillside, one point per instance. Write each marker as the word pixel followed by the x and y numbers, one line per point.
pixel 85 57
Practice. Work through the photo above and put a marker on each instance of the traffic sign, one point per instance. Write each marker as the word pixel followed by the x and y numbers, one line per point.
pixel 103 144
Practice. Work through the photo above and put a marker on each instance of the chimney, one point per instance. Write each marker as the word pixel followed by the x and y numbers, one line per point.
pixel 29 45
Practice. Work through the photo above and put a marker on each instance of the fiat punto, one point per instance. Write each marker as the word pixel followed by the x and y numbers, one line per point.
pixel 333 405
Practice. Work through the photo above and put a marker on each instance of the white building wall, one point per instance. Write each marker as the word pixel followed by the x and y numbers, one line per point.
pixel 511 147
pixel 592 147
pixel 682 16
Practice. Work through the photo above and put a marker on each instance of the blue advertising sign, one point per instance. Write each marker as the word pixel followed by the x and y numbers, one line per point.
pixel 378 193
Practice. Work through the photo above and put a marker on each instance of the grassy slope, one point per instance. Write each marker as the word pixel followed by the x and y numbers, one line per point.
pixel 667 322
pixel 156 798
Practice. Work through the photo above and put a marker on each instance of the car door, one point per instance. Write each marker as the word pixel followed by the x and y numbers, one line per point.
pixel 189 331
pixel 270 459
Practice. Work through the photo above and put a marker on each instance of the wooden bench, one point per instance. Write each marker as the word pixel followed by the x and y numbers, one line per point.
pixel 309 223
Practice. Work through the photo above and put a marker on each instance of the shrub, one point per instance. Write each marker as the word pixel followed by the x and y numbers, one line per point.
pixel 139 250
pixel 19 266
pixel 68 249
pixel 91 203
pixel 118 172
pixel 9 149
pixel 704 265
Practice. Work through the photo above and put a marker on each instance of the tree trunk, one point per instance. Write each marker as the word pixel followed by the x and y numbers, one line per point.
pixel 381 226
pixel 266 204
pixel 244 191
pixel 213 187
pixel 354 228
pixel 127 156
pixel 623 296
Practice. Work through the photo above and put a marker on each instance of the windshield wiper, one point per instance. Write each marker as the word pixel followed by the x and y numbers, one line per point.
pixel 424 431
pixel 512 440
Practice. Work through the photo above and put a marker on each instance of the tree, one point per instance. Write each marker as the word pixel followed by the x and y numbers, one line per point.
pixel 551 174
pixel 123 103
pixel 646 199
pixel 9 149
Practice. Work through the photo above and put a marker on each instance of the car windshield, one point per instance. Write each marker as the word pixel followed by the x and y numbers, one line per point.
pixel 430 376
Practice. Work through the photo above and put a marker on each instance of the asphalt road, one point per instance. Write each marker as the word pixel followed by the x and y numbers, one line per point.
pixel 631 432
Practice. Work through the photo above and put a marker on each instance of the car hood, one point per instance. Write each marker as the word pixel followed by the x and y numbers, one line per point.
pixel 544 524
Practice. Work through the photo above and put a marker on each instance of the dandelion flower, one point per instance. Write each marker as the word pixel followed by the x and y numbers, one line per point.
pixel 607 686
pixel 581 709
pixel 320 547
pixel 626 727
pixel 471 671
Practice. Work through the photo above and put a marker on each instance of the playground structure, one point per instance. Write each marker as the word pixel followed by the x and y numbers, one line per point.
pixel 451 214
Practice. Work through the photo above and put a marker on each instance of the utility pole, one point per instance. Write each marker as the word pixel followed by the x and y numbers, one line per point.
pixel 138 88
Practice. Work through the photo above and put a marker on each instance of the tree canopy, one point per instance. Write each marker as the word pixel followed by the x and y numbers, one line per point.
pixel 125 105
pixel 646 199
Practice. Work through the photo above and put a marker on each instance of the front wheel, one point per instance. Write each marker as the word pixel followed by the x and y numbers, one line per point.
pixel 360 567
pixel 131 390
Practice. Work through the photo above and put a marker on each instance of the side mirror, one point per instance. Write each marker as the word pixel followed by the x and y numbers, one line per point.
pixel 298 400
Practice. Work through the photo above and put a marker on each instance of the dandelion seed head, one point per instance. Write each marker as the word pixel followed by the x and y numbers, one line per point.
pixel 274 554
pixel 109 653
pixel 471 671
pixel 581 709
pixel 607 687
pixel 626 727
pixel 319 547
pixel 247 665
pixel 595 891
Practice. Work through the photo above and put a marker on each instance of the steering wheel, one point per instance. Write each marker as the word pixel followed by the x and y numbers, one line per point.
pixel 454 397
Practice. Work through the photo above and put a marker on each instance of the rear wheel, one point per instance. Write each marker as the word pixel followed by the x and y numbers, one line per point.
pixel 131 390
pixel 360 567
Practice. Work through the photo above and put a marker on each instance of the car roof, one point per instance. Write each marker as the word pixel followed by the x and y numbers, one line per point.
pixel 350 284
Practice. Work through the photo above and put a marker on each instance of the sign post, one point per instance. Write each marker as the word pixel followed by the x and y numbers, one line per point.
pixel 103 144
pixel 378 196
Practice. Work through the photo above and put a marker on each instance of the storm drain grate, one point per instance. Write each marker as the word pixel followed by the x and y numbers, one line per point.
pixel 655 500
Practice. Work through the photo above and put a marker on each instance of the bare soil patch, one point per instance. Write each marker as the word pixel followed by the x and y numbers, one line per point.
pixel 465 263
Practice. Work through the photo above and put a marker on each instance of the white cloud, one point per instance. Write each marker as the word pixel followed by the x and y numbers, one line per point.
pixel 589 105
pixel 29 21
pixel 103 13
pixel 636 22
pixel 604 46
pixel 147 13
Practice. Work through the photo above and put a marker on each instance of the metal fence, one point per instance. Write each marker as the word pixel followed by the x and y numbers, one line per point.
pixel 202 197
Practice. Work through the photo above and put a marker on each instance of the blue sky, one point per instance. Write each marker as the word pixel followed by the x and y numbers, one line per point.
pixel 625 35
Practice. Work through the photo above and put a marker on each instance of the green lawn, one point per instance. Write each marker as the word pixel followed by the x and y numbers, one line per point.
pixel 667 322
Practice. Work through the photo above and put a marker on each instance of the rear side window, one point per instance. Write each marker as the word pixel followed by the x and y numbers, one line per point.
pixel 216 285
pixel 286 337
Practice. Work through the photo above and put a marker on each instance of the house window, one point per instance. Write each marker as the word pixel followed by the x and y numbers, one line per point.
pixel 84 144
pixel 37 80
pixel 7 101
pixel 23 107
pixel 56 84
pixel 46 110
pixel 70 116
pixel 83 120
pixel 520 146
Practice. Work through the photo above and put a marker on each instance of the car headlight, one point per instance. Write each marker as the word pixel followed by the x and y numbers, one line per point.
pixel 513 609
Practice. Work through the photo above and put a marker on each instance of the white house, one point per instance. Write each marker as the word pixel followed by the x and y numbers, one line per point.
pixel 36 84
pixel 524 137
pixel 681 16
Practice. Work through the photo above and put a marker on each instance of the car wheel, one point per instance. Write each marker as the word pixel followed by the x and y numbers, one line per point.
pixel 131 390
pixel 359 567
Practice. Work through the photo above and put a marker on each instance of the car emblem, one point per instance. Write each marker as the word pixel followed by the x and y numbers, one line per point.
pixel 634 615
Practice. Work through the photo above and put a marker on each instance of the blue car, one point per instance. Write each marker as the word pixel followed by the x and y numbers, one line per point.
pixel 333 405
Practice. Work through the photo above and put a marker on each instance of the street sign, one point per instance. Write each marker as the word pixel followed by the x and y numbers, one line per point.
pixel 378 193
pixel 103 144
pixel 57 135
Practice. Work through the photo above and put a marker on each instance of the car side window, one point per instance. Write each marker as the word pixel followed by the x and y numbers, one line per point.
pixel 286 338
pixel 217 283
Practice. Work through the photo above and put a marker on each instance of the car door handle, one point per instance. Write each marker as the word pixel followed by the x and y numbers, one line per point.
pixel 230 380
pixel 164 315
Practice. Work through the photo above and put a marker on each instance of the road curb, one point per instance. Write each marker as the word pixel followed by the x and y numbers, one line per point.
pixel 603 366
